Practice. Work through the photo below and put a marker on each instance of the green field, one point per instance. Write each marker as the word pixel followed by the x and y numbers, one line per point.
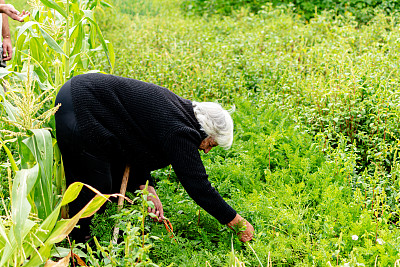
pixel 314 160
pixel 314 164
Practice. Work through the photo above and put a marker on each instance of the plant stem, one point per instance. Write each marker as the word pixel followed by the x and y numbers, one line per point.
pixel 122 192
pixel 255 253
pixel 67 46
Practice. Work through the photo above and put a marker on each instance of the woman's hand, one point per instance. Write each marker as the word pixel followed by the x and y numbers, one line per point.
pixel 243 228
pixel 10 11
pixel 158 208
pixel 7 49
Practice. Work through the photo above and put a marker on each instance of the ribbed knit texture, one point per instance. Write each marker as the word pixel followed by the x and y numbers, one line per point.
pixel 151 127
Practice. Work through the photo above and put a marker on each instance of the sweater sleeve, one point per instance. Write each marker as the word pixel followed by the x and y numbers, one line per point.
pixel 182 151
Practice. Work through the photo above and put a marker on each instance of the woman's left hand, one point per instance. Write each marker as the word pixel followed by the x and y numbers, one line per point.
pixel 158 207
pixel 7 49
pixel 246 233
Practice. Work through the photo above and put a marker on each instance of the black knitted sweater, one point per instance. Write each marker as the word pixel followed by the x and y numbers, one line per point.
pixel 151 127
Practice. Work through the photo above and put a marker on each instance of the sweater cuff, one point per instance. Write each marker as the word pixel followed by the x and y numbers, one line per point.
pixel 229 217
pixel 140 178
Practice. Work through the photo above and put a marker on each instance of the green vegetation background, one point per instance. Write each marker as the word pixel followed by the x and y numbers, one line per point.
pixel 363 10
pixel 314 165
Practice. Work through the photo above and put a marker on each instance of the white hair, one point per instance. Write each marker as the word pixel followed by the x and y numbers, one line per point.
pixel 215 122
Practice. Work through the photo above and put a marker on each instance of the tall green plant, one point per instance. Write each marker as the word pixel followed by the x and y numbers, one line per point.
pixel 63 39
pixel 35 144
pixel 24 239
pixel 60 40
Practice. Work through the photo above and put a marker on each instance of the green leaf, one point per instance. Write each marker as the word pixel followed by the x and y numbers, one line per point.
pixel 9 155
pixel 72 193
pixel 50 228
pixel 94 205
pixel 33 48
pixel 2 93
pixel 92 37
pixel 77 35
pixel 101 38
pixel 18 55
pixel 39 258
pixel 64 227
pixel 27 158
pixel 4 234
pixel 12 247
pixel 12 112
pixel 35 45
pixel 106 4
pixel 42 234
pixel 41 146
pixel 58 169
pixel 44 150
pixel 25 27
pixel 112 54
pixel 54 5
pixel 24 181
pixel 49 40
pixel 3 73
pixel 48 224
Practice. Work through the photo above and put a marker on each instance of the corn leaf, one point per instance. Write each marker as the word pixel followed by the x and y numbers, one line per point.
pixel 42 54
pixel 72 193
pixel 54 5
pixel 33 48
pixel 78 34
pixel 106 4
pixel 44 232
pixel 49 40
pixel 3 73
pixel 101 39
pixel 9 155
pixel 111 53
pixel 64 262
pixel 3 234
pixel 12 112
pixel 41 146
pixel 64 227
pixel 39 258
pixel 11 248
pixel 24 181
pixel 27 158
pixel 58 170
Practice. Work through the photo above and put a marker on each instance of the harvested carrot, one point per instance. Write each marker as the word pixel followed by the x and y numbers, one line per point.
pixel 169 228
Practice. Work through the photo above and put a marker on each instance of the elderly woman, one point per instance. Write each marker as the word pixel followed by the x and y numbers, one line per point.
pixel 106 122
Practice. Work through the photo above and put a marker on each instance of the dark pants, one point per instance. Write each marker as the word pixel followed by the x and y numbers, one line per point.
pixel 85 164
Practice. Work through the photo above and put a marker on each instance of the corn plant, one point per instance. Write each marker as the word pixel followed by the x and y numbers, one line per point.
pixel 23 236
pixel 58 42
pixel 62 39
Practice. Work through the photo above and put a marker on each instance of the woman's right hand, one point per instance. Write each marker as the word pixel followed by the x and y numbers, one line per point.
pixel 158 207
